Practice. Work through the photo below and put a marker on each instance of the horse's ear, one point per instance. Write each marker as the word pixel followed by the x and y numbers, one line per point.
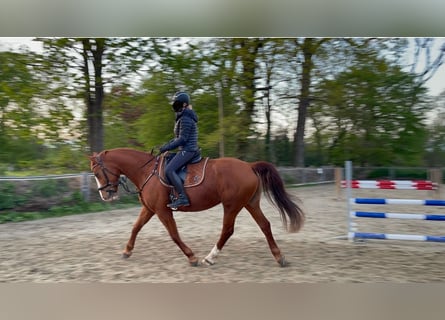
pixel 93 157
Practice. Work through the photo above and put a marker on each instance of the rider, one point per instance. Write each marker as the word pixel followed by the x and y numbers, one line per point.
pixel 186 140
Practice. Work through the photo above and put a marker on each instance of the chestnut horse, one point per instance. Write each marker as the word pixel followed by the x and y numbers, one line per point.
pixel 234 183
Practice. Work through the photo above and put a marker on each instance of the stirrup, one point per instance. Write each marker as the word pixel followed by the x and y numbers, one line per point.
pixel 179 202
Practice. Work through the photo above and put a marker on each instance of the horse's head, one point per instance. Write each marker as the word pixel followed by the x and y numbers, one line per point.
pixel 107 176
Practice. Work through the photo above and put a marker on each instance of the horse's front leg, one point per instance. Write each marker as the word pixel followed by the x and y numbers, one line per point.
pixel 166 217
pixel 144 216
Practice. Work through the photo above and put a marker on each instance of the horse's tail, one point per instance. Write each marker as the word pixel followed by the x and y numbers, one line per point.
pixel 292 215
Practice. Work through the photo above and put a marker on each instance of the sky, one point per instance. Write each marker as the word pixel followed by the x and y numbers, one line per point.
pixel 436 84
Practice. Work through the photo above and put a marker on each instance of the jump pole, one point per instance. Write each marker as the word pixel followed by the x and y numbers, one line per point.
pixel 368 184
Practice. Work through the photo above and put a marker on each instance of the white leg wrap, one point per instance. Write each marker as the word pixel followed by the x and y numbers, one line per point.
pixel 210 259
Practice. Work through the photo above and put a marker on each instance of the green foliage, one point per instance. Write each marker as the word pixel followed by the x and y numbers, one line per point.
pixel 47 188
pixel 29 200
pixel 436 136
pixel 18 118
pixel 377 113
pixel 30 119
pixel 9 199
pixel 155 126
pixel 389 173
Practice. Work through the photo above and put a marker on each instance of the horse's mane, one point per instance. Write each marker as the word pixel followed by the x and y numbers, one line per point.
pixel 141 157
pixel 126 150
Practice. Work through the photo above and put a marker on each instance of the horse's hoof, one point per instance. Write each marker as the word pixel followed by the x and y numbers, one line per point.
pixel 126 255
pixel 207 262
pixel 282 262
pixel 194 262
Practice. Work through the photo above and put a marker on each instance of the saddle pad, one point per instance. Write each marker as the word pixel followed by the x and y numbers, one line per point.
pixel 195 173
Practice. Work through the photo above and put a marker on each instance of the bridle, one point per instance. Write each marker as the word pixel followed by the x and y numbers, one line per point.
pixel 108 184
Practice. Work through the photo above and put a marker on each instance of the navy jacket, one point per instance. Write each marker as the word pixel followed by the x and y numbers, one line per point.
pixel 186 132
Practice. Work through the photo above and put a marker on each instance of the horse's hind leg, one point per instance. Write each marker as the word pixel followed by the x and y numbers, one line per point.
pixel 264 224
pixel 144 216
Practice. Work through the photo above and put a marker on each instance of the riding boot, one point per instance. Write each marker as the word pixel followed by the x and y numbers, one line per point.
pixel 182 199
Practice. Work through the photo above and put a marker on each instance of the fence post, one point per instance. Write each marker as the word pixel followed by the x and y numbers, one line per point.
pixel 348 178
pixel 85 186
pixel 338 178
pixel 436 177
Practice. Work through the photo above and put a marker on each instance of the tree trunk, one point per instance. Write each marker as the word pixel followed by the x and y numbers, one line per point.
pixel 270 153
pixel 248 55
pixel 92 53
pixel 308 49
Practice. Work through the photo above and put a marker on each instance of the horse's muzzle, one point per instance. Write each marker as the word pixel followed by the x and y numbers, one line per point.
pixel 112 195
pixel 108 194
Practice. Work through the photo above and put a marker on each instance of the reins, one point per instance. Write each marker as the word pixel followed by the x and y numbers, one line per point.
pixel 153 172
pixel 150 160
pixel 123 182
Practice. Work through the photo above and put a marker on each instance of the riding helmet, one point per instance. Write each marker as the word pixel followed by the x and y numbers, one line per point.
pixel 179 99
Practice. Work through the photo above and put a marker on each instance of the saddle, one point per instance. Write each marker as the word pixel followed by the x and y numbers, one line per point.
pixel 192 174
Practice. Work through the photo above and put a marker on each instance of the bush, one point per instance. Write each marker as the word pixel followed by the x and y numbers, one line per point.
pixel 48 188
pixel 9 198
pixel 397 173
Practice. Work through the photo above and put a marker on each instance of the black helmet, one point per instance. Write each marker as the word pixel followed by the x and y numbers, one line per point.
pixel 179 99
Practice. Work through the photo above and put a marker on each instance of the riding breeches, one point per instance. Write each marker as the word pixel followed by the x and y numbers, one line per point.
pixel 179 160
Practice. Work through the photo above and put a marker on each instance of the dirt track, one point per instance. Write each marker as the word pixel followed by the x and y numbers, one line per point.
pixel 87 248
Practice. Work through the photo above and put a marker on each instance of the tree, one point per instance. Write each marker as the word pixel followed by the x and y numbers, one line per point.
pixel 307 48
pixel 21 121
pixel 377 112
pixel 333 57
pixel 81 68
pixel 247 49
pixel 93 53
pixel 18 88
pixel 122 109
pixel 425 63
pixel 436 134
